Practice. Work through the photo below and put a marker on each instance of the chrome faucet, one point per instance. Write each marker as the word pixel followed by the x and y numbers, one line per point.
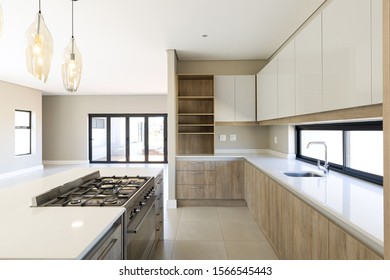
pixel 324 168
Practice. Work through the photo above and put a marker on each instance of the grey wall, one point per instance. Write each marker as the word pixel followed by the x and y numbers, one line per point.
pixel 285 135
pixel 65 120
pixel 247 137
pixel 18 97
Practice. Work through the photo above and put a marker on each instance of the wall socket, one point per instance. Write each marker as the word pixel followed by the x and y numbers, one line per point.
pixel 233 137
pixel 275 140
pixel 222 137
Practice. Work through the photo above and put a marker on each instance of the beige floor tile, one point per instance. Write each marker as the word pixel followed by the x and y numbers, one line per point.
pixel 199 214
pixel 241 231
pixel 196 230
pixel 199 250
pixel 172 214
pixel 170 230
pixel 241 214
pixel 246 250
pixel 164 250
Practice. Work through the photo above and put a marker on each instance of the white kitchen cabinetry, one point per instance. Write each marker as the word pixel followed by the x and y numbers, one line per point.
pixel 245 98
pixel 224 98
pixel 235 98
pixel 346 54
pixel 286 81
pixel 377 51
pixel 308 60
pixel 267 92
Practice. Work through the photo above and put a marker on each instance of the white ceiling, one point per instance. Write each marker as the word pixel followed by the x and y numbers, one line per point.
pixel 124 42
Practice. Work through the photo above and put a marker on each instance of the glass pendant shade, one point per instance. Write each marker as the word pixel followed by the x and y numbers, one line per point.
pixel 39 51
pixel 72 67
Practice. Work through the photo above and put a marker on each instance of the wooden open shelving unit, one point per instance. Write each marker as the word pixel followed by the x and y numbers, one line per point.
pixel 195 114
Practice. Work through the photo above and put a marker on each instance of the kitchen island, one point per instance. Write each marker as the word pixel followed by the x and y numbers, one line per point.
pixel 55 232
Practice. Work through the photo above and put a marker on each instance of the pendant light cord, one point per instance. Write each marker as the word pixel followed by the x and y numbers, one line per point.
pixel 39 6
pixel 72 19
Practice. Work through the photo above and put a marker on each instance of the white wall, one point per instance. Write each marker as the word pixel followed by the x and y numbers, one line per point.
pixel 65 120
pixel 18 97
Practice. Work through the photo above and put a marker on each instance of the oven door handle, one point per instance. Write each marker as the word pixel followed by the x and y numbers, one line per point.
pixel 149 205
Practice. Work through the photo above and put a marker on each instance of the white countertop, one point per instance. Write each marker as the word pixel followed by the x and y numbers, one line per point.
pixel 55 232
pixel 353 204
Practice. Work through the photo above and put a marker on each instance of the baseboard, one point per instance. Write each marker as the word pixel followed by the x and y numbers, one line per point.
pixel 20 172
pixel 212 202
pixel 65 162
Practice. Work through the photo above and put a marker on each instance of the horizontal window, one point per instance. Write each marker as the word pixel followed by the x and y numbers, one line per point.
pixel 355 149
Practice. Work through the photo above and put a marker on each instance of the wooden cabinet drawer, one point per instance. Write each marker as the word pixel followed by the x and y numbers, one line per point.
pixel 195 177
pixel 195 165
pixel 195 191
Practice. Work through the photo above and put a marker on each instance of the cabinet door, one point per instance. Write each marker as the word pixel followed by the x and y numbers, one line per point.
pixel 377 51
pixel 346 54
pixel 310 232
pixel 224 98
pixel 230 179
pixel 308 60
pixel 110 247
pixel 286 81
pixel 245 106
pixel 342 246
pixel 267 92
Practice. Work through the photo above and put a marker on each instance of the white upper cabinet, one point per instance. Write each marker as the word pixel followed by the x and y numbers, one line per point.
pixel 308 60
pixel 346 54
pixel 286 81
pixel 234 98
pixel 267 92
pixel 224 98
pixel 377 51
pixel 245 98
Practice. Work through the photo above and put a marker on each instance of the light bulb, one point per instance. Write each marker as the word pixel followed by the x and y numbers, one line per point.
pixel 72 67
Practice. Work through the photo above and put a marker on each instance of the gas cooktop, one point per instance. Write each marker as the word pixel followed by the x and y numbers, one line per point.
pixel 93 190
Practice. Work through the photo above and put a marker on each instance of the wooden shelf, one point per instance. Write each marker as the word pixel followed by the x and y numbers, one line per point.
pixel 195 125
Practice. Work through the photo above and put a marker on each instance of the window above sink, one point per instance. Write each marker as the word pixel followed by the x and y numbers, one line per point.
pixel 354 149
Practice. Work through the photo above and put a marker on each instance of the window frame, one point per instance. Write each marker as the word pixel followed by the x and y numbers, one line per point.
pixel 344 127
pixel 146 137
pixel 25 128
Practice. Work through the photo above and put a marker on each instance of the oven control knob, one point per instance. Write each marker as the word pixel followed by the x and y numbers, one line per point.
pixel 136 210
pixel 142 203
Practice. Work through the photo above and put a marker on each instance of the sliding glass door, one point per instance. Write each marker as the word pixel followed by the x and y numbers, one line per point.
pixel 127 138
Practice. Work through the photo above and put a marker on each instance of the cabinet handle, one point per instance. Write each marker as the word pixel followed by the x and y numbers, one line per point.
pixel 107 250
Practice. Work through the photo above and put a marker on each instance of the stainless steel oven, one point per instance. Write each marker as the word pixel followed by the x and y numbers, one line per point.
pixel 141 231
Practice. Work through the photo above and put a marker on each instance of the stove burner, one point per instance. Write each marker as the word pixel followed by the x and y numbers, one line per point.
pixel 111 200
pixel 75 200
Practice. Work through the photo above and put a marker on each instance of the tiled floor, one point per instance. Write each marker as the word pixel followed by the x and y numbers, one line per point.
pixel 212 233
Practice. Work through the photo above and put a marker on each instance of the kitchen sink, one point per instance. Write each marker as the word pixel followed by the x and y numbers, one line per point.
pixel 303 174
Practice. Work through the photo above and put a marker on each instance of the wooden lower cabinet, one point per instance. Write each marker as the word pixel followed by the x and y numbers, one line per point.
pixel 310 232
pixel 294 229
pixel 219 183
pixel 230 179
pixel 343 246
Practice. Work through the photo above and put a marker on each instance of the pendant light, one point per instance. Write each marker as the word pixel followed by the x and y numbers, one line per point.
pixel 72 67
pixel 39 49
